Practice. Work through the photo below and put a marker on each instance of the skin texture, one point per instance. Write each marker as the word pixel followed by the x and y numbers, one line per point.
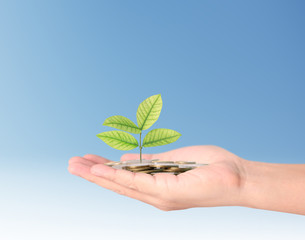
pixel 228 180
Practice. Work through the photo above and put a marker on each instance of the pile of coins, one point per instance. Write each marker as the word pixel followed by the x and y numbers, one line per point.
pixel 155 166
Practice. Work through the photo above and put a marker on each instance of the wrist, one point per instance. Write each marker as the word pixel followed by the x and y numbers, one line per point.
pixel 272 186
pixel 252 175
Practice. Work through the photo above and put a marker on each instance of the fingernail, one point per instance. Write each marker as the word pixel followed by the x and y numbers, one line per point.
pixel 73 170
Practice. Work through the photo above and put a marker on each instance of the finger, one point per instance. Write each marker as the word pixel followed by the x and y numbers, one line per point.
pixel 83 171
pixel 81 160
pixel 140 182
pixel 96 158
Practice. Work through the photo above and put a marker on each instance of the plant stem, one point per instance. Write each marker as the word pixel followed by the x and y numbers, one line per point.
pixel 140 149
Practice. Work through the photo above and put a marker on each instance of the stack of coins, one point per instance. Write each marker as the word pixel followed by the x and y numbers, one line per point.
pixel 155 166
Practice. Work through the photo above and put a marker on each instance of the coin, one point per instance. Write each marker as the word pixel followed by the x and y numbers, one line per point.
pixel 109 163
pixel 138 169
pixel 112 163
pixel 138 166
pixel 191 165
pixel 155 166
pixel 152 171
pixel 164 165
pixel 171 173
pixel 161 161
pixel 177 169
pixel 183 162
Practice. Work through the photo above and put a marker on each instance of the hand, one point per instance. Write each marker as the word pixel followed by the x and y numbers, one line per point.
pixel 217 184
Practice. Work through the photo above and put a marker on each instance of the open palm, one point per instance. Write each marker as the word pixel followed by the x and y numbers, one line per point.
pixel 216 184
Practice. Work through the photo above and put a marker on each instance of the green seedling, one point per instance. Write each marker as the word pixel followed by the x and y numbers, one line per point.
pixel 147 114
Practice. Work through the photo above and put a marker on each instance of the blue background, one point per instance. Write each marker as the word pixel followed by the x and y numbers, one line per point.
pixel 231 73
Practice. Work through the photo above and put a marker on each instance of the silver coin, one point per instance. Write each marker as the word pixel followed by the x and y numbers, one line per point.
pixel 171 173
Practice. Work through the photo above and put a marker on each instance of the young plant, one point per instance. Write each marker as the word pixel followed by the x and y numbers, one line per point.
pixel 147 114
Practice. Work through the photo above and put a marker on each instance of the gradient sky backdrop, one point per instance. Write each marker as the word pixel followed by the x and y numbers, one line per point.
pixel 231 73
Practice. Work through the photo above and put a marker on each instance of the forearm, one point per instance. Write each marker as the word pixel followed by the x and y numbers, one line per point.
pixel 276 187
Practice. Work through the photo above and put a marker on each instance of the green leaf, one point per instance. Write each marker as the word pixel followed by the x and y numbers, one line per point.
pixel 160 136
pixel 119 140
pixel 122 123
pixel 149 111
